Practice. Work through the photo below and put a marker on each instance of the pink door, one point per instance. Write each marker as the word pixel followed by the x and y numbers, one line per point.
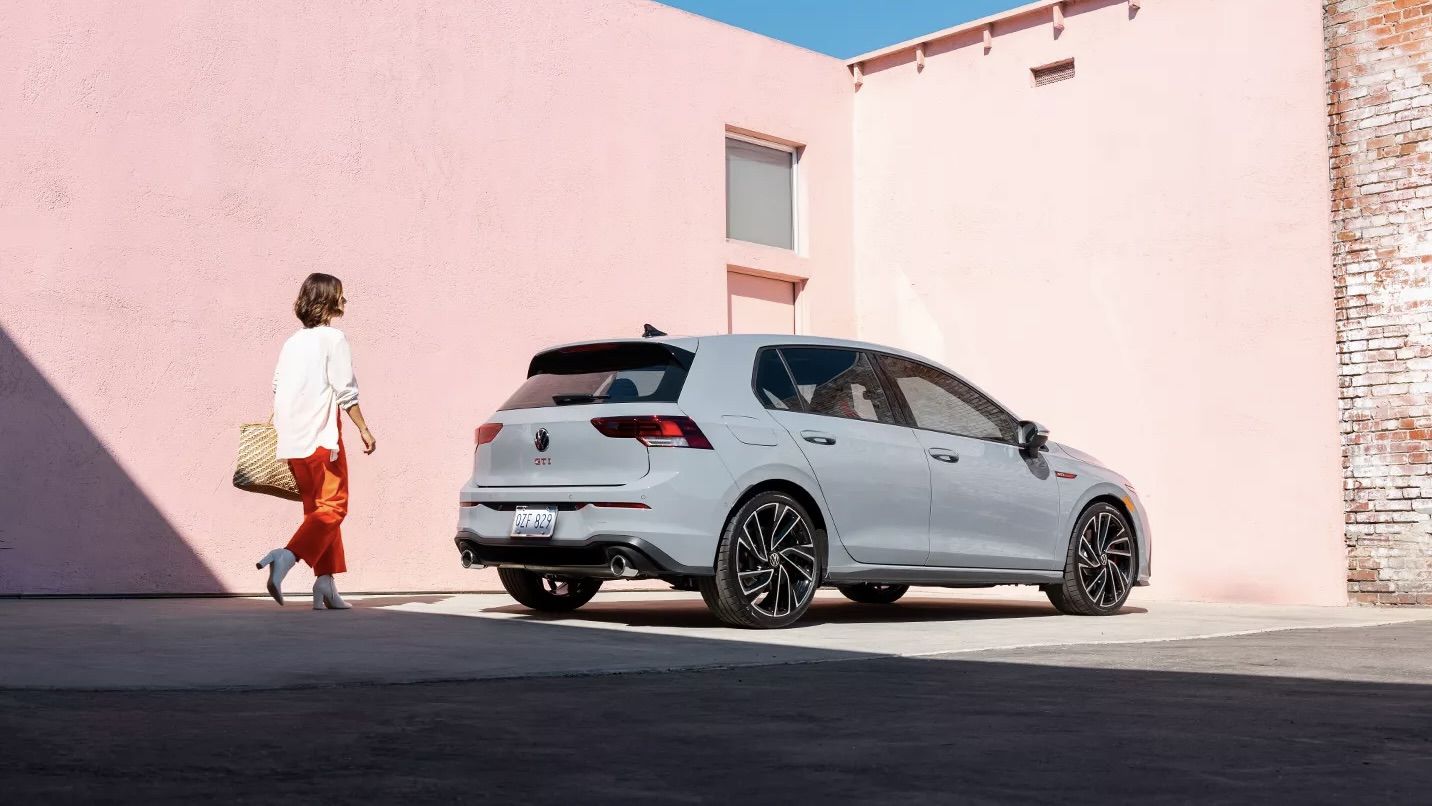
pixel 760 304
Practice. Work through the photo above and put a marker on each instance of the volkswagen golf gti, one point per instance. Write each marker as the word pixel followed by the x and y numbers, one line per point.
pixel 758 469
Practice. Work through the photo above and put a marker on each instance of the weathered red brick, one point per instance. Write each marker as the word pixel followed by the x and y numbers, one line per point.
pixel 1380 156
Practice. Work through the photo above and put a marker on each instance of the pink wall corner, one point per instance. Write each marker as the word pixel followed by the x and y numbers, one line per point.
pixel 487 178
pixel 1138 257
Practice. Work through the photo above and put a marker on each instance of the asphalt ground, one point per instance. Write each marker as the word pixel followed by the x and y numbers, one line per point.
pixel 1303 715
pixel 253 643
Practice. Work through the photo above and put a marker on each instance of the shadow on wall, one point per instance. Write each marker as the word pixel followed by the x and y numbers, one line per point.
pixel 71 518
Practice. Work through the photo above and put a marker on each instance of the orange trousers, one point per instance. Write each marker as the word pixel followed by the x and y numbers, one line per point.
pixel 323 483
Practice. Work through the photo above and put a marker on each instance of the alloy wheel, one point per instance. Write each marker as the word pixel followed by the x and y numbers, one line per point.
pixel 1105 559
pixel 776 560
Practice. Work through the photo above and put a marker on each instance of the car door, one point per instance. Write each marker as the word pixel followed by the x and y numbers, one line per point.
pixel 871 469
pixel 991 506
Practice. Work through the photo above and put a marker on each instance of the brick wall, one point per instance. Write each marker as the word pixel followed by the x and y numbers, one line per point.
pixel 1379 67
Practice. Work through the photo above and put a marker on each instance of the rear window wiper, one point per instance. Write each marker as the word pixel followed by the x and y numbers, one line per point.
pixel 571 400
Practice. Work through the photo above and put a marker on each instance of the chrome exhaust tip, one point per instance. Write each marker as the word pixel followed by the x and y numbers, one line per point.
pixel 621 568
pixel 469 559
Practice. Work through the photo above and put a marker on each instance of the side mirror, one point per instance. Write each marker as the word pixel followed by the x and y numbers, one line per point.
pixel 1032 436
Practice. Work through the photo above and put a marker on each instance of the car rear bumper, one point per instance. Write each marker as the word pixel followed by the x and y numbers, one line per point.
pixel 674 515
pixel 589 558
pixel 683 529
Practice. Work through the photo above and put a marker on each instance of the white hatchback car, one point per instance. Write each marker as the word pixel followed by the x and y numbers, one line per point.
pixel 757 469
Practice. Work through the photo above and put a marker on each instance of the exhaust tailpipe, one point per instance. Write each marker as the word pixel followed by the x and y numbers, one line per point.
pixel 622 568
pixel 469 559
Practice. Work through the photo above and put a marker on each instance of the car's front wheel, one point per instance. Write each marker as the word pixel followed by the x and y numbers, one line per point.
pixel 1100 566
pixel 872 593
pixel 768 564
pixel 549 593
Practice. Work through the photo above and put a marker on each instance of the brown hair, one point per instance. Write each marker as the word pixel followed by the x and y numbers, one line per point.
pixel 319 300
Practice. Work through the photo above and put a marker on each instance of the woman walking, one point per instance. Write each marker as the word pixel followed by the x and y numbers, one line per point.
pixel 313 381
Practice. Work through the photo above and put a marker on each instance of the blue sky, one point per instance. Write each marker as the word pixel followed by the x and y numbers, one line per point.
pixel 844 28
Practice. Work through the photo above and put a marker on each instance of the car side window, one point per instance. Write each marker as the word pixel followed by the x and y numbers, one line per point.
pixel 941 402
pixel 839 383
pixel 773 384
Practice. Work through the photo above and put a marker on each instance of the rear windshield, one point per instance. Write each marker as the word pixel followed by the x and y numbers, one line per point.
pixel 603 373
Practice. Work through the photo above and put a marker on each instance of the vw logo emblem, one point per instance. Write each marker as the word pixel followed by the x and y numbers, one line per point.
pixel 542 440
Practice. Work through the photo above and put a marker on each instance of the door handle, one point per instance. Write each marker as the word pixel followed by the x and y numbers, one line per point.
pixel 944 455
pixel 818 437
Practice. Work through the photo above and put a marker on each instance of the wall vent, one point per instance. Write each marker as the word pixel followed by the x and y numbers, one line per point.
pixel 1050 73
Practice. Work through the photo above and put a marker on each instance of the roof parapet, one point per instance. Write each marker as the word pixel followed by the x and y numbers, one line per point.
pixel 920 44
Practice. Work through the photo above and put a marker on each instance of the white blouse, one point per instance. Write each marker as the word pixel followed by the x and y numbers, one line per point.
pixel 313 380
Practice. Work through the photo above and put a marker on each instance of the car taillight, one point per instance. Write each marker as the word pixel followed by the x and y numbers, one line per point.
pixel 656 431
pixel 486 433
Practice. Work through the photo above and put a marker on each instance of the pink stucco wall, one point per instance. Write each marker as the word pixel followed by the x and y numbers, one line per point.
pixel 1137 257
pixel 761 304
pixel 486 177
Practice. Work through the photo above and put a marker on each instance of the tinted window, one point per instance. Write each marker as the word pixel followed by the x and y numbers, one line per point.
pixel 773 383
pixel 840 383
pixel 942 402
pixel 603 373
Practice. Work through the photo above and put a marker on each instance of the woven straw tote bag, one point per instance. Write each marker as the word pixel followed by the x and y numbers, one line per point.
pixel 259 470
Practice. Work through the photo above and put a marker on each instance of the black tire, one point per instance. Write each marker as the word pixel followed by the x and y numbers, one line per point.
pixel 873 593
pixel 549 593
pixel 795 567
pixel 709 594
pixel 1105 530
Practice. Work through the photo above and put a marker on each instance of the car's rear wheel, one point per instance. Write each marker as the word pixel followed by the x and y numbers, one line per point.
pixel 550 593
pixel 873 593
pixel 1100 566
pixel 768 564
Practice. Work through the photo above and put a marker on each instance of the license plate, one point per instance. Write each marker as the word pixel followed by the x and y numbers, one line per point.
pixel 534 521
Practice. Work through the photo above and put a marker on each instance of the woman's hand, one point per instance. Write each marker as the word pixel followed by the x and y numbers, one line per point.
pixel 356 415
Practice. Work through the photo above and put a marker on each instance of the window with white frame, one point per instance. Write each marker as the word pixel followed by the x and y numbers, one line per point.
pixel 760 192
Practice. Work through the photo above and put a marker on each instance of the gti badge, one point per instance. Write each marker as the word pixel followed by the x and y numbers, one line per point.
pixel 542 440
